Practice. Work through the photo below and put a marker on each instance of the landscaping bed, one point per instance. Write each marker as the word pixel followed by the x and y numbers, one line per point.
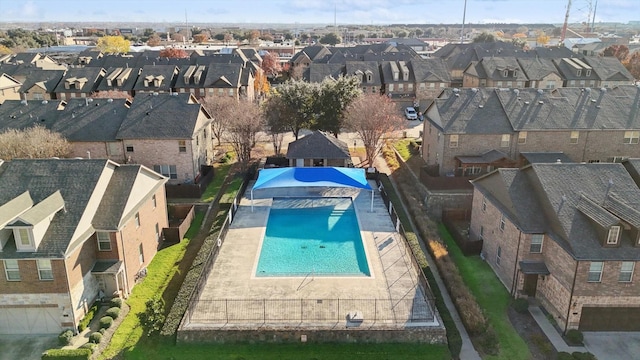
pixel 529 330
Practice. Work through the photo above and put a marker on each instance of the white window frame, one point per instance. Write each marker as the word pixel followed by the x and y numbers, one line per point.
pixel 505 140
pixel 595 267
pixel 613 235
pixel 631 137
pixel 522 137
pixel 169 171
pixel 626 272
pixel 537 241
pixel 19 235
pixel 453 141
pixel 574 137
pixel 45 269
pixel 182 146
pixel 137 219
pixel 154 201
pixel 102 240
pixel 499 255
pixel 141 253
pixel 502 223
pixel 11 273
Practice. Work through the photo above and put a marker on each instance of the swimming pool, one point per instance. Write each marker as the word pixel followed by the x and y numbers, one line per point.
pixel 318 236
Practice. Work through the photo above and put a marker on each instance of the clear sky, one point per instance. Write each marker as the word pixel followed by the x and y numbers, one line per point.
pixel 376 12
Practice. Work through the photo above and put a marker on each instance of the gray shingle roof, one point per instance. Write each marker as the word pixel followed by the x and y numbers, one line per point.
pixel 609 69
pixel 92 74
pixel 362 69
pixel 430 70
pixel 96 120
pixel 221 75
pixel 111 208
pixel 318 145
pixel 537 68
pixel 494 67
pixel 166 73
pixel 318 72
pixel 161 116
pixel 119 79
pixel 546 157
pixel 47 79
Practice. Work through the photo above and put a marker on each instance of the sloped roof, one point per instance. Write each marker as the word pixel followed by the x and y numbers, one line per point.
pixel 223 75
pixel 46 79
pixel 609 68
pixel 166 72
pixel 92 75
pixel 318 145
pixel 537 68
pixel 318 72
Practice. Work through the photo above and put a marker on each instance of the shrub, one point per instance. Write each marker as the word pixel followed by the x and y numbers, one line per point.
pixel 90 346
pixel 105 322
pixel 520 305
pixel 67 354
pixel 153 316
pixel 542 343
pixel 87 318
pixel 95 338
pixel 583 356
pixel 65 337
pixel 113 312
pixel 102 331
pixel 488 342
pixel 574 336
pixel 115 302
pixel 563 355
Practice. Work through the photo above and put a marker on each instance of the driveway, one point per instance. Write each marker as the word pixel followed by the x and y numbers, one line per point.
pixel 613 345
pixel 27 347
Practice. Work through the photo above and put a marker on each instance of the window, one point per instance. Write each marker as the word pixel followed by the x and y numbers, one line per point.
pixel 129 148
pixel 502 223
pixel 400 87
pixel 157 231
pixel 536 243
pixel 588 72
pixel 504 142
pixel 498 255
pixel 613 235
pixel 443 85
pixel 572 83
pixel 167 170
pixel 104 241
pixel 390 87
pixel 44 269
pixel 137 220
pixel 484 205
pixel 505 73
pixel 631 137
pixel 595 271
pixel 38 96
pixel 579 72
pixel 453 141
pixel 220 92
pixel 410 87
pixel 551 84
pixel 141 254
pixel 522 137
pixel 626 271
pixel 11 270
pixel 182 145
pixel 25 238
pixel 575 135
pixel 154 201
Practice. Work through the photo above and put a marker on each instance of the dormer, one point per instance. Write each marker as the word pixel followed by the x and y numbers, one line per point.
pixel 515 73
pixel 10 211
pixel 405 70
pixel 197 76
pixel 368 76
pixel 505 73
pixel 187 75
pixel 629 223
pixel 69 83
pixel 395 71
pixel 30 226
pixel 157 81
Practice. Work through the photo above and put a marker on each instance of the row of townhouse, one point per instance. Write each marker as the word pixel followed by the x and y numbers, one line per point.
pixel 468 132
pixel 73 231
pixel 170 133
pixel 567 235
pixel 120 76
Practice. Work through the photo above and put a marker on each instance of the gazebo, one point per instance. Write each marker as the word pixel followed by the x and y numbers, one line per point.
pixel 312 177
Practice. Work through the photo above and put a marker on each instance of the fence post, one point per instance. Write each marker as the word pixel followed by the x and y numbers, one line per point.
pixel 264 311
pixel 226 309
pixel 301 309
pixel 375 311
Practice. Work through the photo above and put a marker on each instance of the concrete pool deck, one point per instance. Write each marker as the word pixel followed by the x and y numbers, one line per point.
pixel 233 297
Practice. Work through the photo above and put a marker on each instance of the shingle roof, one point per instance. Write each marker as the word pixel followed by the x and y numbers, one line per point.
pixel 119 79
pixel 318 145
pixel 486 158
pixel 537 68
pixel 45 208
pixel 95 120
pixel 161 116
pixel 494 67
pixel 92 74
pixel 362 69
pixel 111 208
pixel 318 72
pixel 223 75
pixel 46 79
pixel 166 73
pixel 430 70
pixel 546 157
pixel 609 69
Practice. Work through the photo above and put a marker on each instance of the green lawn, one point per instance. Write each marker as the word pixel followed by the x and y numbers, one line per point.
pixel 213 188
pixel 290 352
pixel 159 273
pixel 492 296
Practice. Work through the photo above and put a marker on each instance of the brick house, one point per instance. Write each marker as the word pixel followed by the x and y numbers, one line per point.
pixel 72 230
pixel 494 72
pixel 540 73
pixel 38 84
pixel 79 83
pixel 567 235
pixel 318 149
pixel 586 125
pixel 156 79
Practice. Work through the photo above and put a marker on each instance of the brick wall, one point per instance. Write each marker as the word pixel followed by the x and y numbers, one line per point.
pixel 30 282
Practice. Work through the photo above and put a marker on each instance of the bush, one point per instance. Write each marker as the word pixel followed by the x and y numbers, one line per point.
pixel 113 312
pixel 87 318
pixel 583 356
pixel 574 337
pixel 102 331
pixel 105 322
pixel 65 337
pixel 115 302
pixel 563 355
pixel 520 305
pixel 488 342
pixel 95 338
pixel 543 344
pixel 153 316
pixel 67 354
pixel 90 346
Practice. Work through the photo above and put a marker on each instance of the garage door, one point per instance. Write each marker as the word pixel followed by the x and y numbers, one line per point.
pixel 610 319
pixel 30 320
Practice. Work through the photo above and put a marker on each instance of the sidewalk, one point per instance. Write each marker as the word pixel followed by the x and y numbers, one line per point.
pixel 467 351
pixel 552 333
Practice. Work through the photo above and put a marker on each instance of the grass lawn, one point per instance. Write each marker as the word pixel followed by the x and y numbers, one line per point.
pixel 210 193
pixel 492 296
pixel 290 352
pixel 160 271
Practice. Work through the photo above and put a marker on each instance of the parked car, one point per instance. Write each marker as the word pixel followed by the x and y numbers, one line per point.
pixel 410 113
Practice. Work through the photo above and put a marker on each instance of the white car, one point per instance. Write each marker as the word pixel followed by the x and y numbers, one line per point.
pixel 410 113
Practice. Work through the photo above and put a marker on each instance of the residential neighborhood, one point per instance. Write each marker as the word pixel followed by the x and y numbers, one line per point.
pixel 370 187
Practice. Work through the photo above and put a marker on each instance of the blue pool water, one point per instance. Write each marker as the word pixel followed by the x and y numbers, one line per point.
pixel 312 235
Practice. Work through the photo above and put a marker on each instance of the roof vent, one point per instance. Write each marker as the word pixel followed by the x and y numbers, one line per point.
pixel 456 90
pixel 174 94
pixel 587 89
pixel 540 91
pixel 45 102
pixel 603 89
pixel 516 91
pixel 540 102
pixel 480 106
pixel 593 100
pixel 24 102
pixel 475 90
pixel 155 93
pixel 109 100
pixel 526 103
pixel 558 161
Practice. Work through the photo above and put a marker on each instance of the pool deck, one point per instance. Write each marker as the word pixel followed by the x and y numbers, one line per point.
pixel 233 297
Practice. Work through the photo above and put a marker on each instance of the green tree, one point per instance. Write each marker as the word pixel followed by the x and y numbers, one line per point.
pixel 418 32
pixel 330 39
pixel 485 37
pixel 402 34
pixel 334 97
pixel 113 44
pixel 296 99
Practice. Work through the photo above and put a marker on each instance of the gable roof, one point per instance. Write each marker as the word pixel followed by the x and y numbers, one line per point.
pixel 537 68
pixel 164 73
pixel 221 75
pixel 90 77
pixel 44 79
pixel 609 69
pixel 318 145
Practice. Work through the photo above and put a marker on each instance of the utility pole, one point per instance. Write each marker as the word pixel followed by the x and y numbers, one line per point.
pixel 464 16
pixel 566 21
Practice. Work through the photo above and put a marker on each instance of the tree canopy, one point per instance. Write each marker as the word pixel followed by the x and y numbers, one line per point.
pixel 32 143
pixel 619 51
pixel 484 38
pixel 174 53
pixel 330 39
pixel 333 98
pixel 113 44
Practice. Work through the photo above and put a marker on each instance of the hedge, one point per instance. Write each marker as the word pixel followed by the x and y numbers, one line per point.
pixel 87 318
pixel 67 354
pixel 65 337
pixel 115 302
pixel 113 312
pixel 95 338
pixel 105 322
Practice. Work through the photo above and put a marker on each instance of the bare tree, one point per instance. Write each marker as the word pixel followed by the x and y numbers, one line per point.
pixel 221 108
pixel 371 117
pixel 32 143
pixel 274 111
pixel 242 129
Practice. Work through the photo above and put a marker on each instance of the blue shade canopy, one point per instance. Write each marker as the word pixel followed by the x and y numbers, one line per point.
pixel 312 176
